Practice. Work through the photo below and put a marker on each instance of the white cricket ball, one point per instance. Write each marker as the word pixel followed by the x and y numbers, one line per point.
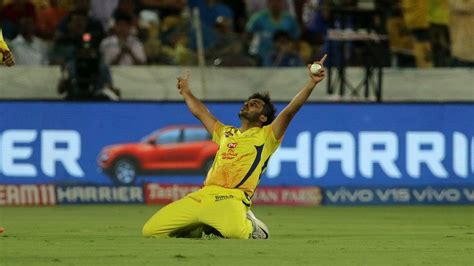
pixel 315 68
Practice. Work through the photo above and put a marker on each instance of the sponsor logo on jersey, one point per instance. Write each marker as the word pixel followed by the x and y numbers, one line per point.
pixel 232 145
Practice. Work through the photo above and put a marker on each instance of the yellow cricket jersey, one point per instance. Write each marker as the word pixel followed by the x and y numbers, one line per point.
pixel 3 44
pixel 242 156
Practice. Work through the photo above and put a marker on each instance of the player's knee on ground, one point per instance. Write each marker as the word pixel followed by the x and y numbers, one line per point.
pixel 155 231
pixel 235 233
pixel 147 230
pixel 150 230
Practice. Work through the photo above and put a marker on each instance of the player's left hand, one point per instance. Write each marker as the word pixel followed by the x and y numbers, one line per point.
pixel 8 58
pixel 321 74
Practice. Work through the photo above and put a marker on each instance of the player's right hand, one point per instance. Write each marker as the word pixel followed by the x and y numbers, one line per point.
pixel 183 83
pixel 8 58
pixel 321 74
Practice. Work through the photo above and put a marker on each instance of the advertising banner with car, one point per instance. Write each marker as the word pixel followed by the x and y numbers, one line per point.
pixel 327 145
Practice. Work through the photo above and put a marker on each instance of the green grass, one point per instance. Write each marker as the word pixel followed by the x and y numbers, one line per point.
pixel 111 235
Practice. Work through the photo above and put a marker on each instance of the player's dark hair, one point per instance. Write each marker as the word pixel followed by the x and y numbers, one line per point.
pixel 269 109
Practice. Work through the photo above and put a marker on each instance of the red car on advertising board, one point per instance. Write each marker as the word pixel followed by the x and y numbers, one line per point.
pixel 172 150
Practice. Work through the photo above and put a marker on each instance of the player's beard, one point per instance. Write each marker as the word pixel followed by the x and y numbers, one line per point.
pixel 251 117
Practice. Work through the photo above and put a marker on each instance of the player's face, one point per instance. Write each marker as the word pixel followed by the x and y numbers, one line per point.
pixel 251 110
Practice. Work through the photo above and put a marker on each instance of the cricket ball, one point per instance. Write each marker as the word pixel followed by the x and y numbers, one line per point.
pixel 315 68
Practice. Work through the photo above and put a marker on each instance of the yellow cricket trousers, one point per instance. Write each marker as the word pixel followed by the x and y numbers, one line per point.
pixel 221 208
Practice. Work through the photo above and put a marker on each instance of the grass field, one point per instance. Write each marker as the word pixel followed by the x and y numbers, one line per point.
pixel 111 235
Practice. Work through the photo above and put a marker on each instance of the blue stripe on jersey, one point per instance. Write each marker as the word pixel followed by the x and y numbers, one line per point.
pixel 254 165
pixel 261 173
pixel 265 165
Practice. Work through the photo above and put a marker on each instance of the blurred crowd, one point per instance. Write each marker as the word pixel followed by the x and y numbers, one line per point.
pixel 421 33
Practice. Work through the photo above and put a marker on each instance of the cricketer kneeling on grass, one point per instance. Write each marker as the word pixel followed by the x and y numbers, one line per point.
pixel 222 206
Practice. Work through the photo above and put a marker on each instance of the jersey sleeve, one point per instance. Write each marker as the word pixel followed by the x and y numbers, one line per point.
pixel 270 138
pixel 218 131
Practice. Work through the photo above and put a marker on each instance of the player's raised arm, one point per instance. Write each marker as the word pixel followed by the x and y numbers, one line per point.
pixel 197 108
pixel 281 122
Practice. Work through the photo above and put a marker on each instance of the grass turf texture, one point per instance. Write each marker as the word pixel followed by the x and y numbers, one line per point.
pixel 111 235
